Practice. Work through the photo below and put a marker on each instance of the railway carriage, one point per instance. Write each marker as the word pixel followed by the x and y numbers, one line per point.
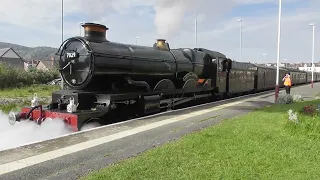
pixel 265 77
pixel 309 77
pixel 241 78
pixel 316 76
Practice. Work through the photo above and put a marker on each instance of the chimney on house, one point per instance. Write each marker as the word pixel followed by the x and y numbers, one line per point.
pixel 52 60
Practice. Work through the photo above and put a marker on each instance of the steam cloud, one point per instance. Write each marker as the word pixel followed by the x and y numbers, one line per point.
pixel 169 15
pixel 27 131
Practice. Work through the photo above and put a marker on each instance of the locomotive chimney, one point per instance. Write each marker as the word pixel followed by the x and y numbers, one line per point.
pixel 161 44
pixel 95 32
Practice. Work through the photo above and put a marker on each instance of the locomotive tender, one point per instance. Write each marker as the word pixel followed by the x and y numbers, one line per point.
pixel 105 79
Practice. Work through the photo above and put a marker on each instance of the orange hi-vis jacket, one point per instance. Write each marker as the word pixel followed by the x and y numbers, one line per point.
pixel 287 81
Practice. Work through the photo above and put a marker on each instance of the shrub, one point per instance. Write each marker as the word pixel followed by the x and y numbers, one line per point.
pixel 304 119
pixel 285 99
pixel 309 110
pixel 11 77
pixel 297 98
pixel 293 116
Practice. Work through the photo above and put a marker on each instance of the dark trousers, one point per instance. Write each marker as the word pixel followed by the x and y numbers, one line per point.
pixel 287 89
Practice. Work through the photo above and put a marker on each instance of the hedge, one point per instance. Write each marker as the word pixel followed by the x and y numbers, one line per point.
pixel 12 77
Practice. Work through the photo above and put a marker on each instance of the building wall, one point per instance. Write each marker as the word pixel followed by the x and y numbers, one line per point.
pixel 41 66
pixel 316 69
pixel 14 62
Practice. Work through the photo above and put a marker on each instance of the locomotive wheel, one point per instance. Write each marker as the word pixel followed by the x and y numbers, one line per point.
pixel 191 83
pixel 164 84
pixel 90 123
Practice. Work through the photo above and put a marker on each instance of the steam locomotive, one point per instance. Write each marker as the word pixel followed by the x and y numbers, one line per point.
pixel 104 79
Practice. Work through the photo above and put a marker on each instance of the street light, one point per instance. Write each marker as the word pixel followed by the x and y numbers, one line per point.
pixel 61 21
pixel 312 65
pixel 62 83
pixel 196 30
pixel 278 52
pixel 137 38
pixel 240 20
pixel 81 23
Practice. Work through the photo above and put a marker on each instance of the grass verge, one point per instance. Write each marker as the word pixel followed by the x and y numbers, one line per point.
pixel 41 90
pixel 263 144
pixel 23 96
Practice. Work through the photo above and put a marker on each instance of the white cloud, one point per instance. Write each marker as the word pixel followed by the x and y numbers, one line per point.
pixel 173 20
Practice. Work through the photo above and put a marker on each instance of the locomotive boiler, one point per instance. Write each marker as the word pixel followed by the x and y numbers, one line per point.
pixel 94 63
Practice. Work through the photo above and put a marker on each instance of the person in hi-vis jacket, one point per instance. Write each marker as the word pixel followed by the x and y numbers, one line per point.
pixel 287 83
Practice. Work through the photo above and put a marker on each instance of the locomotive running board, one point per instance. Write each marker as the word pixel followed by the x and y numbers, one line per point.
pixel 178 101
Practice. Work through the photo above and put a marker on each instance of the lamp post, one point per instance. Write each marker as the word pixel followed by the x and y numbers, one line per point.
pixel 62 83
pixel 278 52
pixel 80 27
pixel 312 65
pixel 240 20
pixel 196 30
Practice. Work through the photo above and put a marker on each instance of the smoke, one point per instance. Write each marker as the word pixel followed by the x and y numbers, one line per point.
pixel 28 131
pixel 170 14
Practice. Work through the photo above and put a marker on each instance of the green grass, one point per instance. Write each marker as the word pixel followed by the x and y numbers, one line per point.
pixel 263 144
pixel 13 107
pixel 41 90
pixel 24 93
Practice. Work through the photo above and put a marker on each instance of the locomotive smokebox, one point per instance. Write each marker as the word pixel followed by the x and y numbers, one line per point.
pixel 161 44
pixel 95 32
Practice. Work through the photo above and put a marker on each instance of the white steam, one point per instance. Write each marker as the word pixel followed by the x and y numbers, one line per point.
pixel 169 15
pixel 28 131
pixel 170 18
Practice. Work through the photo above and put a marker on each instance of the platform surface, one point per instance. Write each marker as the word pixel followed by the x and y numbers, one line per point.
pixel 71 157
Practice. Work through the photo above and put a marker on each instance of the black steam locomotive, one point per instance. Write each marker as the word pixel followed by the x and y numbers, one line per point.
pixel 105 79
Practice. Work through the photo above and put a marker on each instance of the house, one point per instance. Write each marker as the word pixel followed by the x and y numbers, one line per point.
pixel 308 67
pixel 46 65
pixel 30 64
pixel 10 57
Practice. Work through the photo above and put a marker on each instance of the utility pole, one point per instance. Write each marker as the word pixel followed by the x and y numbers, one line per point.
pixel 312 65
pixel 196 31
pixel 240 20
pixel 278 52
pixel 62 83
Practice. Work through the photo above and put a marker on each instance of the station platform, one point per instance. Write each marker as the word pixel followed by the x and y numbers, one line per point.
pixel 73 156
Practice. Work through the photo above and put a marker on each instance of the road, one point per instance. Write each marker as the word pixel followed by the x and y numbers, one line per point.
pixel 71 157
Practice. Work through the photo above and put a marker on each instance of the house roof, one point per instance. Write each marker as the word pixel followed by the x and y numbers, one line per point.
pixel 3 51
pixel 47 63
pixel 6 50
pixel 10 57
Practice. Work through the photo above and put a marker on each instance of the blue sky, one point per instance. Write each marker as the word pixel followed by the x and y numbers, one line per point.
pixel 38 23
